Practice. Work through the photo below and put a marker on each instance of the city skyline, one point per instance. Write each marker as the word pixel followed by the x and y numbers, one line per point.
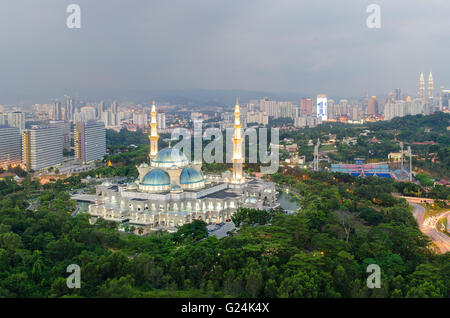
pixel 252 46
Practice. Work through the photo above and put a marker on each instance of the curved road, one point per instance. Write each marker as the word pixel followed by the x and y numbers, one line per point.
pixel 428 227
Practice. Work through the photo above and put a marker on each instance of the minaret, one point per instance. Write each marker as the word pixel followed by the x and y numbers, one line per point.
pixel 430 86
pixel 153 134
pixel 237 146
pixel 422 86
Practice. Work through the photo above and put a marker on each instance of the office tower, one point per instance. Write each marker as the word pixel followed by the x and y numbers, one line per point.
pixel 238 176
pixel 161 119
pixel 99 110
pixel 90 141
pixel 421 92
pixel 321 106
pixel 153 137
pixel 430 87
pixel 306 107
pixel 372 107
pixel 10 147
pixel 42 147
pixel 16 119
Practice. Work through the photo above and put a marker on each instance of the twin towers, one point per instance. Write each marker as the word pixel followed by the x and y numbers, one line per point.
pixel 421 92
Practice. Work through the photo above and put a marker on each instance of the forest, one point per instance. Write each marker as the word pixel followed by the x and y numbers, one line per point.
pixel 345 224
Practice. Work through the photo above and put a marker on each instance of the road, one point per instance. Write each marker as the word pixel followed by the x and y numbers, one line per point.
pixel 428 227
pixel 221 232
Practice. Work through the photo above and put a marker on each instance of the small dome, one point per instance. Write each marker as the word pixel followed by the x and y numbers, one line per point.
pixel 156 177
pixel 251 200
pixel 170 156
pixel 190 175
pixel 143 165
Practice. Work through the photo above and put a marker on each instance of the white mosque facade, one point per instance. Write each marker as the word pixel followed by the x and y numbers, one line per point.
pixel 172 191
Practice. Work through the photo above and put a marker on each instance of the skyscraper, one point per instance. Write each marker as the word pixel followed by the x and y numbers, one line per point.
pixel 90 141
pixel 42 147
pixel 398 94
pixel 430 87
pixel 10 146
pixel 372 107
pixel 421 92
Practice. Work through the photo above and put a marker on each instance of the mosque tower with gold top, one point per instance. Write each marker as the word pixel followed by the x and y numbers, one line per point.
pixel 153 134
pixel 238 176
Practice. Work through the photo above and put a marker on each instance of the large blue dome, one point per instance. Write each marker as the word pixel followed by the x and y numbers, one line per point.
pixel 190 175
pixel 171 156
pixel 156 177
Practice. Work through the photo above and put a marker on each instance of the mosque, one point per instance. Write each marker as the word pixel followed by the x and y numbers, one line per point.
pixel 171 191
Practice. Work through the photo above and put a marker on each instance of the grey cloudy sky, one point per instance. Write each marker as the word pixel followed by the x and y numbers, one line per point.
pixel 271 45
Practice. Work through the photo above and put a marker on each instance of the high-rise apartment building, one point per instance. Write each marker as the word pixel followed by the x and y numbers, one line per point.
pixel 402 108
pixel 99 110
pixel 42 147
pixel 65 127
pixel 3 119
pixel 270 107
pixel 10 146
pixel 16 119
pixel 110 119
pixel 114 107
pixel 140 120
pixel 69 108
pixel 161 119
pixel 90 141
pixel 257 117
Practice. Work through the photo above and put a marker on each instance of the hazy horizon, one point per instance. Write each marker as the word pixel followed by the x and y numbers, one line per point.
pixel 284 47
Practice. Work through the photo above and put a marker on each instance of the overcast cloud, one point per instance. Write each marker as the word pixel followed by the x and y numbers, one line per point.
pixel 299 46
